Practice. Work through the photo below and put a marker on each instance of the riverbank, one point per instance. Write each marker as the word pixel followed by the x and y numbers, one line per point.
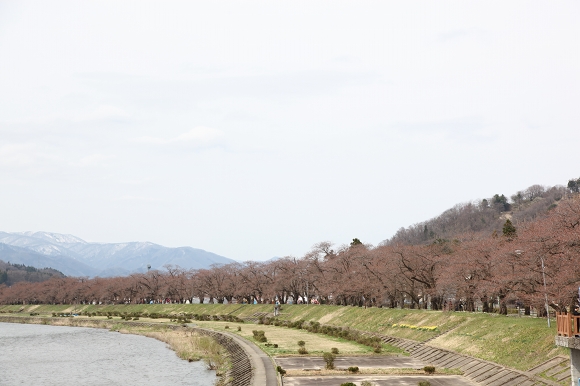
pixel 34 354
pixel 220 352
pixel 516 342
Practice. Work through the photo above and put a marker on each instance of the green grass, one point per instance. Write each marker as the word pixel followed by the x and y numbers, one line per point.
pixel 516 342
pixel 287 338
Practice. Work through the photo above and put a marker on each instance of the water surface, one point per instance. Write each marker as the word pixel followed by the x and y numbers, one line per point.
pixel 32 354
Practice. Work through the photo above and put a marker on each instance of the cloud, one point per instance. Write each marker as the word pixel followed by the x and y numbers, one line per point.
pixel 136 198
pixel 18 154
pixel 465 129
pixel 96 160
pixel 198 137
pixel 453 35
pixel 102 113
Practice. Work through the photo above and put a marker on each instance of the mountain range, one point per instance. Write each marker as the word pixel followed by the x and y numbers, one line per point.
pixel 76 257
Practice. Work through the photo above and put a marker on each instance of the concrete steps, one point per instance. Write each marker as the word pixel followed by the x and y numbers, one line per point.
pixel 483 372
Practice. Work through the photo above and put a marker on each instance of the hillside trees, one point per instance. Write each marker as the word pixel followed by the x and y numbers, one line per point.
pixel 471 269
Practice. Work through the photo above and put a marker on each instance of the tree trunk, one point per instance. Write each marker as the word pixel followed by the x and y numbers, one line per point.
pixel 485 304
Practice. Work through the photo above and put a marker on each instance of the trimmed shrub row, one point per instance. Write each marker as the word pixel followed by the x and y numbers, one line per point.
pixel 339 332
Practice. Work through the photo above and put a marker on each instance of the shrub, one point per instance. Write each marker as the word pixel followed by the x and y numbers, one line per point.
pixel 424 383
pixel 329 359
pixel 281 370
pixel 334 350
pixel 227 327
pixel 301 343
pixel 260 336
pixel 377 349
pixel 366 383
pixel 347 384
pixel 429 369
pixel 353 369
pixel 302 351
pixel 239 328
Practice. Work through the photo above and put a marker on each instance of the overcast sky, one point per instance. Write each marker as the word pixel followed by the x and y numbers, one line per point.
pixel 257 129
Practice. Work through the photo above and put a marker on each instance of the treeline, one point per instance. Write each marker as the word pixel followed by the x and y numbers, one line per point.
pixel 14 273
pixel 475 268
pixel 487 215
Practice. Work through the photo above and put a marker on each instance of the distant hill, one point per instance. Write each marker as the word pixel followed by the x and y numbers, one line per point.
pixel 76 257
pixel 486 216
pixel 25 256
pixel 14 273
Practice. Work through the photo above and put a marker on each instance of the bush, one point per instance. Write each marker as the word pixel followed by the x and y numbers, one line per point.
pixel 301 343
pixel 302 351
pixel 429 369
pixel 334 350
pixel 353 369
pixel 281 370
pixel 377 349
pixel 227 327
pixel 329 359
pixel 239 328
pixel 424 383
pixel 366 383
pixel 347 384
pixel 259 336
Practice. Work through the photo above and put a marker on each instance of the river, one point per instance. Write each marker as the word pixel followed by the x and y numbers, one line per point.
pixel 32 354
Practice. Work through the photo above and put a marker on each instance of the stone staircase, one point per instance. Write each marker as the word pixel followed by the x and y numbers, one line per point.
pixel 255 318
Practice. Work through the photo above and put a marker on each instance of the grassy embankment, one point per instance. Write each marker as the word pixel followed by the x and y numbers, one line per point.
pixel 516 342
pixel 283 341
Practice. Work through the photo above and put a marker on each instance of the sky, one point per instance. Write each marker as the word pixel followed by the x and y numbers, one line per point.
pixel 259 128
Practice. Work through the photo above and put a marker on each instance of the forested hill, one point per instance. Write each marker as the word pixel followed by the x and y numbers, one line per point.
pixel 486 216
pixel 14 273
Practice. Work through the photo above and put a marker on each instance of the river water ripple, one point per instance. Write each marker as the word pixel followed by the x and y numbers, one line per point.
pixel 33 354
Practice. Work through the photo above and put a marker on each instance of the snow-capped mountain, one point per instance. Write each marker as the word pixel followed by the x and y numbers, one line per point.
pixel 76 257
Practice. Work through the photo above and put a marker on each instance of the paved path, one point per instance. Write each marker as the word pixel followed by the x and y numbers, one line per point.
pixel 383 362
pixel 379 380
pixel 263 370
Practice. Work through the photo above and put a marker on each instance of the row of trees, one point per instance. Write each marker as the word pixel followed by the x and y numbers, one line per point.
pixel 474 268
